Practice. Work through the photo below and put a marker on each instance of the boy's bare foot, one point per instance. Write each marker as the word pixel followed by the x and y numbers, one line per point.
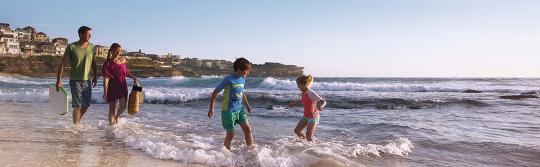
pixel 116 119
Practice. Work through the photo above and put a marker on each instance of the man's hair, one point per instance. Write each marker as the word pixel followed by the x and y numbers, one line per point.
pixel 241 64
pixel 83 29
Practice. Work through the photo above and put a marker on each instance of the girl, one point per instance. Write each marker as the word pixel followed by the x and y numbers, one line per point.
pixel 311 112
pixel 114 82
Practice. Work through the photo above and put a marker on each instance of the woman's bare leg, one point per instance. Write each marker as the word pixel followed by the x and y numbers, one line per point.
pixel 112 106
pixel 121 109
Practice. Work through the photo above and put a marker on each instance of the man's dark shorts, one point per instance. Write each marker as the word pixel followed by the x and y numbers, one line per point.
pixel 81 93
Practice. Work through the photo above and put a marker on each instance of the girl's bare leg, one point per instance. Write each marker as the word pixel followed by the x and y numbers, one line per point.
pixel 299 127
pixel 310 131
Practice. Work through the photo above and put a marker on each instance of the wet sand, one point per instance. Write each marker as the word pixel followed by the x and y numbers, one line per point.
pixel 49 140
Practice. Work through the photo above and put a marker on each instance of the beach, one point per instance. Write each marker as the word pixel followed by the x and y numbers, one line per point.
pixel 33 137
pixel 368 122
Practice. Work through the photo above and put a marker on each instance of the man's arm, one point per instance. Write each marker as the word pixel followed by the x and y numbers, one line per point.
pixel 60 73
pixel 94 70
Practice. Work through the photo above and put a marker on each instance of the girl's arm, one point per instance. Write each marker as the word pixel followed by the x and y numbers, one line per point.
pixel 246 103
pixel 292 104
pixel 322 104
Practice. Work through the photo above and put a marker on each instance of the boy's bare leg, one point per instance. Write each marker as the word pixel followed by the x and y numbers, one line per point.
pixel 121 109
pixel 299 127
pixel 76 115
pixel 247 133
pixel 228 140
pixel 310 131
pixel 112 106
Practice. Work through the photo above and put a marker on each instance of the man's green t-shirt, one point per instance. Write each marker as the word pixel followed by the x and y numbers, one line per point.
pixel 80 60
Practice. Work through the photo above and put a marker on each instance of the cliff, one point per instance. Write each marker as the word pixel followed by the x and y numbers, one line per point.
pixel 47 66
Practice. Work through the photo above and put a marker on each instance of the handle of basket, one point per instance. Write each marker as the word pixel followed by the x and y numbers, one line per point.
pixel 137 83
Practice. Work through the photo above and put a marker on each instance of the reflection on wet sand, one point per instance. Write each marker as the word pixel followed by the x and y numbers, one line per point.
pixel 112 153
pixel 71 151
pixel 31 137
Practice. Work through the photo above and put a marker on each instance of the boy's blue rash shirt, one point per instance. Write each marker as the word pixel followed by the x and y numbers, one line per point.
pixel 232 97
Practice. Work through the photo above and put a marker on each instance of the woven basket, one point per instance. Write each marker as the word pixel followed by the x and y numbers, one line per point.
pixel 136 97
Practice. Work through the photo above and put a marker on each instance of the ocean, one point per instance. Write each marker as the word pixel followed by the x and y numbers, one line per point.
pixel 367 122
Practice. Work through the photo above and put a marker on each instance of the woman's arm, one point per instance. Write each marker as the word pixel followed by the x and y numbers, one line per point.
pixel 105 87
pixel 132 76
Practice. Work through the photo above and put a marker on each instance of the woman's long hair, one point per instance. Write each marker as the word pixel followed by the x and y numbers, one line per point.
pixel 114 48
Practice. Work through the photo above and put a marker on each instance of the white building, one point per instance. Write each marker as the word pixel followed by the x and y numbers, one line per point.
pixel 24 35
pixel 60 45
pixel 9 38
pixel 28 48
pixel 10 43
pixel 3 49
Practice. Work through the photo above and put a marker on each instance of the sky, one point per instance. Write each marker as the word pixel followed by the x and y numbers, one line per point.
pixel 339 38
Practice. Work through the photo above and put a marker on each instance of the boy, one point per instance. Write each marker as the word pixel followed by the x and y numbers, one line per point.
pixel 232 110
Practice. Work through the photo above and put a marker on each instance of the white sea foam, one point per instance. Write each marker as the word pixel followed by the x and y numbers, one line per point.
pixel 178 78
pixel 25 95
pixel 272 83
pixel 157 94
pixel 287 84
pixel 321 148
pixel 286 151
pixel 191 148
pixel 23 80
pixel 211 76
pixel 176 94
pixel 400 147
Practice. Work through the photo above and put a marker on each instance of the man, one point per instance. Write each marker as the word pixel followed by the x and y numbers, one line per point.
pixel 82 61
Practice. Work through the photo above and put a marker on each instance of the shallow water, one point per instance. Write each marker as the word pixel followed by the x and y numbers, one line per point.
pixel 368 122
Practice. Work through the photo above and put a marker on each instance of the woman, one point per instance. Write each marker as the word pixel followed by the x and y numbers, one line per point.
pixel 114 82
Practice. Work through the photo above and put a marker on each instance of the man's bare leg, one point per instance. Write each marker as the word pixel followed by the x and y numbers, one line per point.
pixel 76 116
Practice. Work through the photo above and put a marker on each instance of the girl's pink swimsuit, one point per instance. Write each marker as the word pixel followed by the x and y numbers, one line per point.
pixel 309 99
pixel 117 74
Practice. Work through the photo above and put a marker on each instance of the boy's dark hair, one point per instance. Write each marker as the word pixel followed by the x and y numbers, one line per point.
pixel 241 64
pixel 83 29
